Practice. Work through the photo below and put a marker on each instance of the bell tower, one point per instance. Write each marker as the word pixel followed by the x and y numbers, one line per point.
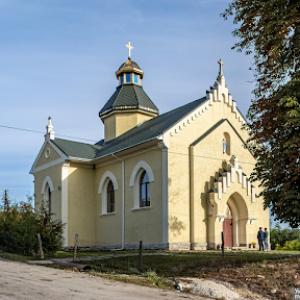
pixel 129 105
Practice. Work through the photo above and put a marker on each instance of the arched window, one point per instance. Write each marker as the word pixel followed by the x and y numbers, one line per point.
pixel 107 188
pixel 226 144
pixel 47 199
pixel 110 197
pixel 144 194
pixel 47 190
pixel 141 179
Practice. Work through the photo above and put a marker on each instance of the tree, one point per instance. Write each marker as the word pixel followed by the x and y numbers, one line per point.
pixel 6 201
pixel 280 236
pixel 270 30
pixel 19 228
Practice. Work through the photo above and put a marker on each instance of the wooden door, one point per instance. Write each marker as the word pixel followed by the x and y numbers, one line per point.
pixel 227 229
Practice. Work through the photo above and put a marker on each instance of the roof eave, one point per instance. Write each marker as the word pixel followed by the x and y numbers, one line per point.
pixel 145 110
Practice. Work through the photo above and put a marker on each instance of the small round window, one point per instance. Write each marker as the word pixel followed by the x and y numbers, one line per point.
pixel 47 152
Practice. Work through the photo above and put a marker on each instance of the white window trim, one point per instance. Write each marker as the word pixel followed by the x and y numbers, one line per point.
pixel 106 177
pixel 47 180
pixel 142 208
pixel 134 182
pixel 47 183
pixel 140 165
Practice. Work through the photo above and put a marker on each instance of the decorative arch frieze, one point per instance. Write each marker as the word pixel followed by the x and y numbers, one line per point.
pixel 234 173
pixel 222 189
pixel 217 93
pixel 231 188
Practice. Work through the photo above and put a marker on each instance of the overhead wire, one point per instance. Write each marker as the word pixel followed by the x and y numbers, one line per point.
pixel 86 139
pixel 41 132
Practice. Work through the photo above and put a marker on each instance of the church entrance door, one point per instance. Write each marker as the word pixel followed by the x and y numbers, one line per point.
pixel 228 234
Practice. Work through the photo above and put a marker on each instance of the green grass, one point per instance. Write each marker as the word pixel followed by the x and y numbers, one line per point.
pixel 16 257
pixel 92 253
pixel 170 264
pixel 65 254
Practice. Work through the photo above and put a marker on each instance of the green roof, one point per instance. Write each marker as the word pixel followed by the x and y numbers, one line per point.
pixel 76 149
pixel 149 130
pixel 129 96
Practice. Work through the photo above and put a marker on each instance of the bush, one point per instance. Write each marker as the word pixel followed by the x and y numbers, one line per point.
pixel 290 246
pixel 153 277
pixel 19 226
pixel 279 236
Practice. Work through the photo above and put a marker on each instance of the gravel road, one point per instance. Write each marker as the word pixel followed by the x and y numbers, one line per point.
pixel 24 281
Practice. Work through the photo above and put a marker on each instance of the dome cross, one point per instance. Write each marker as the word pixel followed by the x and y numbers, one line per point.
pixel 130 47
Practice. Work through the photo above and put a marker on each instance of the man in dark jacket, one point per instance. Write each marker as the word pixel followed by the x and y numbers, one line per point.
pixel 260 238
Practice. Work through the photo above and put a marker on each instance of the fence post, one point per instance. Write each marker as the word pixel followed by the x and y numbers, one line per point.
pixel 222 247
pixel 75 247
pixel 141 267
pixel 40 246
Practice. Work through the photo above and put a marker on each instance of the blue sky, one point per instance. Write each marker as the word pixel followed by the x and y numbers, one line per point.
pixel 58 58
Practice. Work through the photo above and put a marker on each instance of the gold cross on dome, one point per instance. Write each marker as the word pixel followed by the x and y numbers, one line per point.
pixel 130 47
pixel 221 68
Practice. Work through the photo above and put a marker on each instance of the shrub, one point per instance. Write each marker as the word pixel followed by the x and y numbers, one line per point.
pixel 279 236
pixel 19 226
pixel 290 246
pixel 153 277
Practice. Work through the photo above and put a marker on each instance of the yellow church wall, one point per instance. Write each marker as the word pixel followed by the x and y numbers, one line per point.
pixel 81 204
pixel 140 223
pixel 144 223
pixel 208 159
pixel 118 123
pixel 179 163
pixel 110 127
pixel 55 175
pixel 108 226
pixel 178 204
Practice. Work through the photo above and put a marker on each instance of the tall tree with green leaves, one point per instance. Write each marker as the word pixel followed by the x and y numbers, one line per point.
pixel 6 201
pixel 270 31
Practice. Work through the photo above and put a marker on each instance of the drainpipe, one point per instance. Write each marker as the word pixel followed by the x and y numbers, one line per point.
pixel 123 202
pixel 191 196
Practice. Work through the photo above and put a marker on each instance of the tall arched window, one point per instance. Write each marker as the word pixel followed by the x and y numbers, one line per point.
pixel 46 195
pixel 144 190
pixel 110 197
pixel 47 199
pixel 107 188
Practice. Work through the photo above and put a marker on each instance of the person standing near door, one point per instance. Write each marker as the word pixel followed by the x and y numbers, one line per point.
pixel 266 239
pixel 261 238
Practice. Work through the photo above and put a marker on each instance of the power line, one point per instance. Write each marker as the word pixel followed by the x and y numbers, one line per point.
pixel 41 132
pixel 20 129
pixel 79 138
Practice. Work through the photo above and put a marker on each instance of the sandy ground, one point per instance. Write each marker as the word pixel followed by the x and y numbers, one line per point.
pixel 23 281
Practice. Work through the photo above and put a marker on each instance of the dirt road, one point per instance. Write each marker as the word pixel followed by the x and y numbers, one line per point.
pixel 23 281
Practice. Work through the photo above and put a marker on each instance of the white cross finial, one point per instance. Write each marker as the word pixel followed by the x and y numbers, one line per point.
pixel 221 68
pixel 130 47
pixel 50 134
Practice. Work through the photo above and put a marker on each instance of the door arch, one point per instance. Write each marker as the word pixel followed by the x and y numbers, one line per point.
pixel 228 228
pixel 237 212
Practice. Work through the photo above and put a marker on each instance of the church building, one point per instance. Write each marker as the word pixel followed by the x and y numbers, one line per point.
pixel 175 180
